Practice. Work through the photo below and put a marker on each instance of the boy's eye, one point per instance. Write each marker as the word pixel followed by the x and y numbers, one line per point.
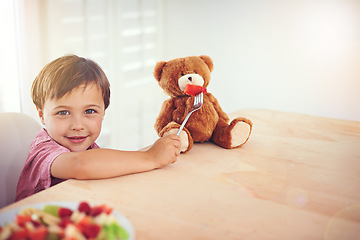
pixel 63 113
pixel 90 111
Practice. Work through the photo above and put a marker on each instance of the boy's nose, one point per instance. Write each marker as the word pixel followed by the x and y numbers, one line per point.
pixel 77 124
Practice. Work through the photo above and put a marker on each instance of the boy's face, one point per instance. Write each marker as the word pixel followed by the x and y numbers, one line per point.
pixel 75 120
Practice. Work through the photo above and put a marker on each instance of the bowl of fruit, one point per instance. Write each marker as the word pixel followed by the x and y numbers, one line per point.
pixel 65 220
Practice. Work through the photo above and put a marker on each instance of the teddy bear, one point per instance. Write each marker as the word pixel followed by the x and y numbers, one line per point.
pixel 210 122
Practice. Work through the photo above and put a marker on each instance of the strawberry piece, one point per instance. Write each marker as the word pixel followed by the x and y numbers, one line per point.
pixel 84 221
pixel 90 231
pixel 38 233
pixel 64 222
pixel 20 234
pixel 96 210
pixel 62 234
pixel 35 223
pixel 194 89
pixel 87 227
pixel 84 207
pixel 22 219
pixel 107 209
pixel 64 212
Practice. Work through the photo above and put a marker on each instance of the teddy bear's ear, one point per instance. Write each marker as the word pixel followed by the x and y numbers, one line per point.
pixel 158 69
pixel 208 62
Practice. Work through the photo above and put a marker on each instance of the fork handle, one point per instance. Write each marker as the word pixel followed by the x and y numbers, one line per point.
pixel 183 124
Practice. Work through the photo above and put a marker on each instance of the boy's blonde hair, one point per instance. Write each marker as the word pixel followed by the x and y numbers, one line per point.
pixel 62 75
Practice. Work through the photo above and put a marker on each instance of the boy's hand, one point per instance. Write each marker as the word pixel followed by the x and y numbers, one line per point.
pixel 165 150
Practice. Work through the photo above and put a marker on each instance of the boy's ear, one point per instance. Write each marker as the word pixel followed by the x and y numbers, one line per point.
pixel 41 115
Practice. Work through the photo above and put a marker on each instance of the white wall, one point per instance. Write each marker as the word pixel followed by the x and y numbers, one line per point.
pixel 8 59
pixel 120 35
pixel 290 55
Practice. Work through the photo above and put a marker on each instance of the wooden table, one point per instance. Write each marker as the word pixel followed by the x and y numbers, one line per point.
pixel 298 177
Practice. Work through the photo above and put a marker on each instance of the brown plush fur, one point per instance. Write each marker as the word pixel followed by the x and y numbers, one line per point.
pixel 208 123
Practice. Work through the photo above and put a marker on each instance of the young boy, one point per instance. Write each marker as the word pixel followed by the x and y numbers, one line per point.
pixel 71 95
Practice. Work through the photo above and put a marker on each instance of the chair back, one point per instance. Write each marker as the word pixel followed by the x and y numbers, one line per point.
pixel 17 130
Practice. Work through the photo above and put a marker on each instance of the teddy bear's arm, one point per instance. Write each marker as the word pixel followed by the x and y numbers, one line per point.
pixel 165 115
pixel 218 109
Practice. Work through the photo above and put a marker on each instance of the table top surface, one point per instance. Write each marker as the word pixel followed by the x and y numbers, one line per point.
pixel 297 177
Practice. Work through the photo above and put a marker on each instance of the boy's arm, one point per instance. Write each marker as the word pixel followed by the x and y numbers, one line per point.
pixel 106 163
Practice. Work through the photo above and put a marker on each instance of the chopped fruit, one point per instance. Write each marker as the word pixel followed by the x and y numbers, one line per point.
pixel 84 207
pixel 107 209
pixel 194 89
pixel 35 223
pixel 96 210
pixel 115 231
pixel 53 210
pixel 64 222
pixel 56 222
pixel 39 233
pixel 20 234
pixel 84 221
pixel 64 212
pixel 22 219
pixel 90 231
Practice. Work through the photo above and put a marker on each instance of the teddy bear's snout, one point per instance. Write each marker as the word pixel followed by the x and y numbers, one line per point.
pixel 191 78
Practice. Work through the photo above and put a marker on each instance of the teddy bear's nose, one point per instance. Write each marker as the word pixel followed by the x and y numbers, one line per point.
pixel 190 79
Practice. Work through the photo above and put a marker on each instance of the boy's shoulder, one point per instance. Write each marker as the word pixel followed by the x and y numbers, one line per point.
pixel 44 143
pixel 41 137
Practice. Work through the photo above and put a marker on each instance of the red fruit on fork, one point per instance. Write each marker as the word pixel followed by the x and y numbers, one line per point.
pixel 194 89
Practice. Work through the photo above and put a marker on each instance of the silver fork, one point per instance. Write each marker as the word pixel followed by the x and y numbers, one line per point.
pixel 198 102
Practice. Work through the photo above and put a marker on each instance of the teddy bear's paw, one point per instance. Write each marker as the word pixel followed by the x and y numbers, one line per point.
pixel 240 133
pixel 184 138
pixel 184 141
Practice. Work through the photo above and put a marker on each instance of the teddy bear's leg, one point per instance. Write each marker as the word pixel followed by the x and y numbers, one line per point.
pixel 241 131
pixel 185 136
pixel 232 135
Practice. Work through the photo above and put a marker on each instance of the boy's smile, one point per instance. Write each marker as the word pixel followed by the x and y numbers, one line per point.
pixel 74 120
pixel 76 140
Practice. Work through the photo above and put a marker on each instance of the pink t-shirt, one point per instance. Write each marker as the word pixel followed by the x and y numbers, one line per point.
pixel 36 175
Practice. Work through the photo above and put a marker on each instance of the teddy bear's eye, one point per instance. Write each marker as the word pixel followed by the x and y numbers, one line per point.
pixel 182 74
